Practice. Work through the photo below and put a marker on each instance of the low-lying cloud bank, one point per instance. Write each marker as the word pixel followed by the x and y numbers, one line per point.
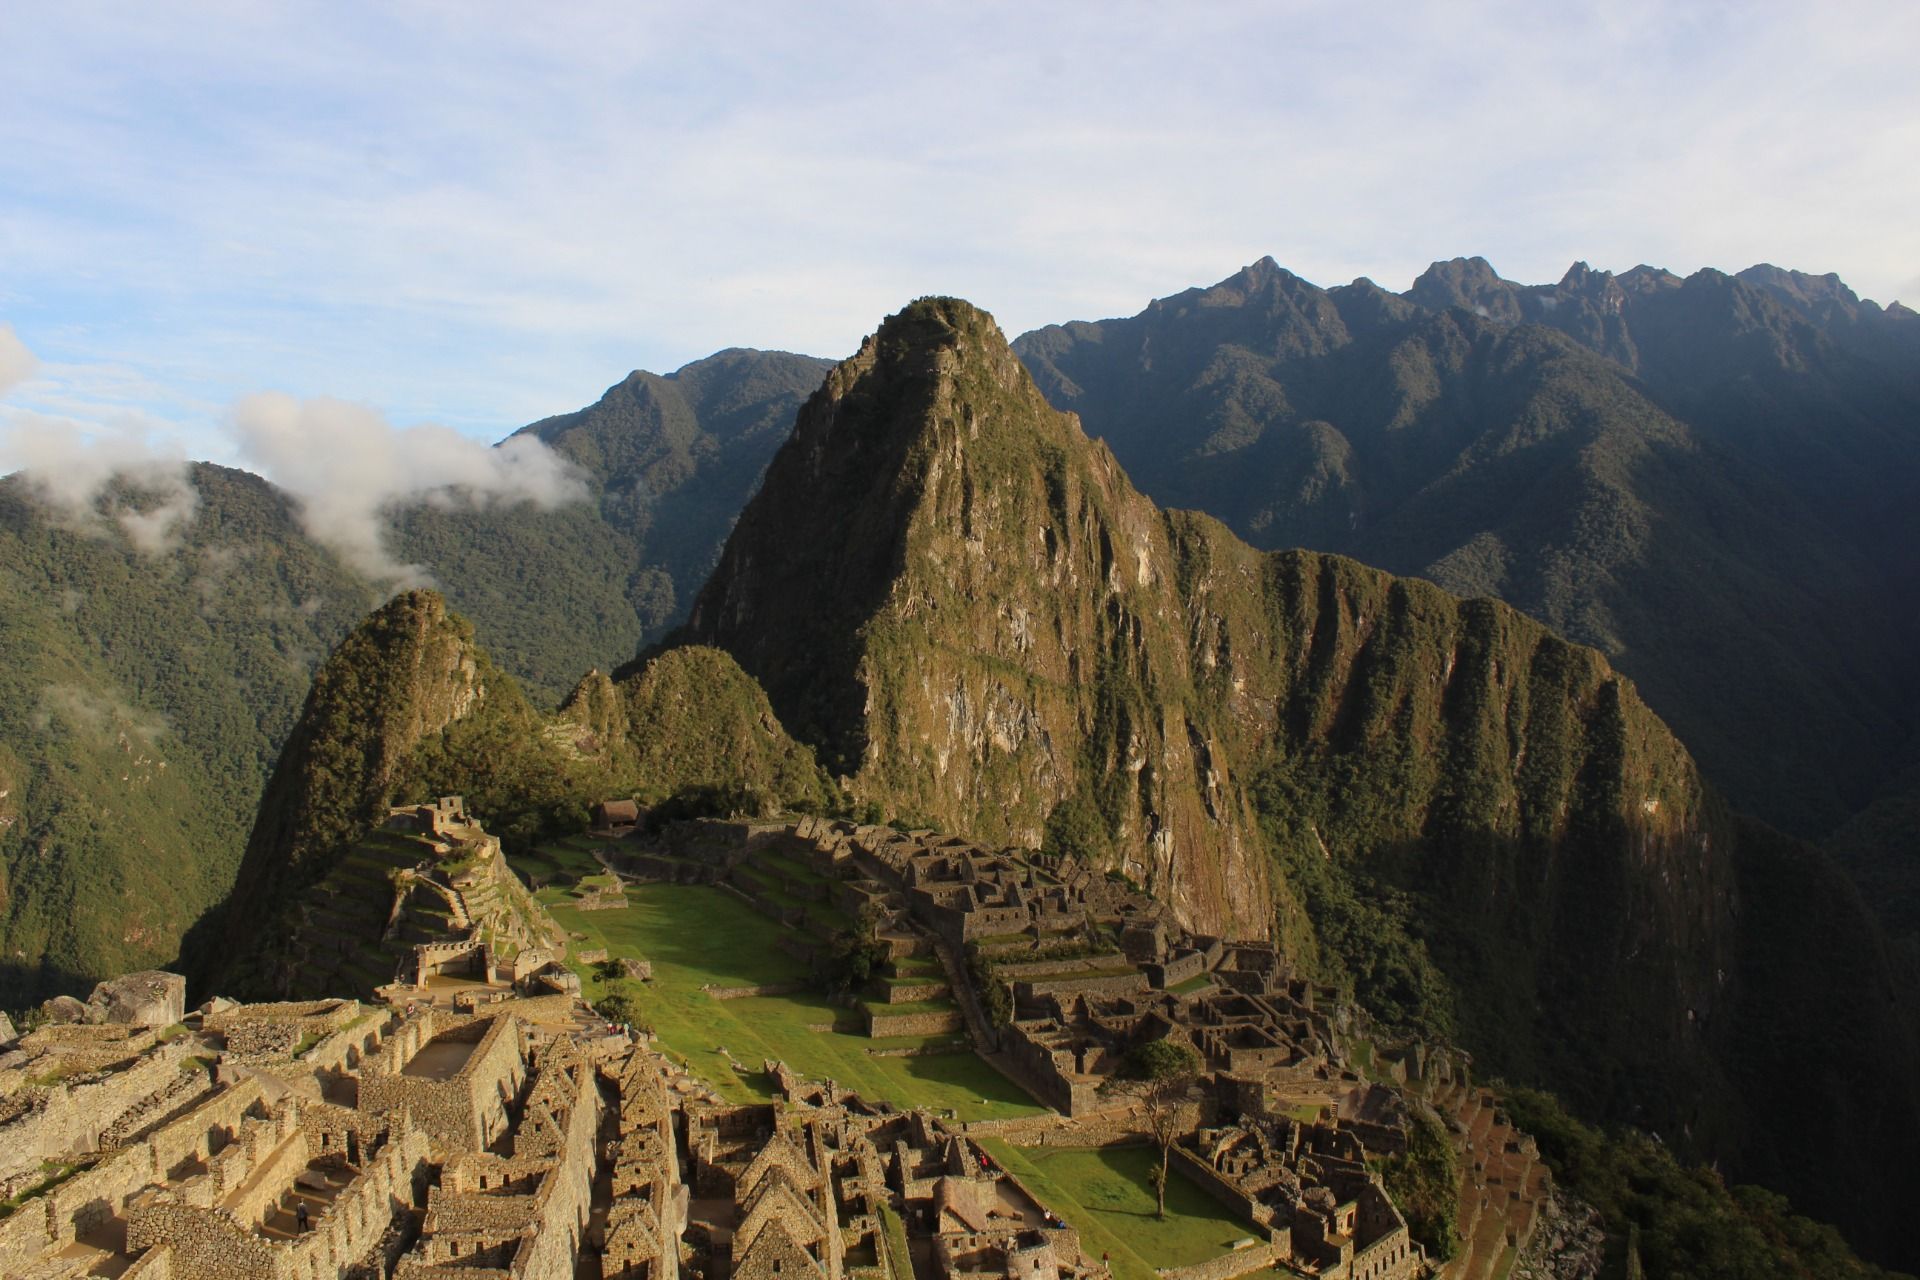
pixel 348 466
pixel 344 464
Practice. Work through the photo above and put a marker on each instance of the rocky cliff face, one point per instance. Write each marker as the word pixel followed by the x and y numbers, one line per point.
pixel 964 601
pixel 955 594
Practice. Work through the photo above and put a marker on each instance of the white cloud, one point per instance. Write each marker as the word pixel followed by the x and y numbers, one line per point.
pixel 101 474
pixel 99 463
pixel 348 466
pixel 16 362
pixel 92 714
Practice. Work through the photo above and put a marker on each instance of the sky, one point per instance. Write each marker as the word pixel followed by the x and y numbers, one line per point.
pixel 455 218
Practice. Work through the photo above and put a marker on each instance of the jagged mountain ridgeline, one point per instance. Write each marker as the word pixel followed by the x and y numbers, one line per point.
pixel 939 600
pixel 979 622
pixel 1709 479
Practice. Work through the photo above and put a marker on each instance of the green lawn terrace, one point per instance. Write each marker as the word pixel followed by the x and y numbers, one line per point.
pixel 704 942
pixel 809 889
pixel 732 991
pixel 1105 1193
pixel 1039 944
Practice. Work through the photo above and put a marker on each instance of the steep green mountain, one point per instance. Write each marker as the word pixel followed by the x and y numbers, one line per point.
pixel 668 461
pixel 142 696
pixel 410 707
pixel 1710 480
pixel 963 603
pixel 113 660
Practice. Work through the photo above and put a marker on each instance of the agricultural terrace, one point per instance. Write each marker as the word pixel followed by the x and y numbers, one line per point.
pixel 697 937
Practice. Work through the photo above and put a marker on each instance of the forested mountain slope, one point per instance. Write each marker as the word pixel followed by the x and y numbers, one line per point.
pixel 668 462
pixel 114 660
pixel 142 698
pixel 1711 480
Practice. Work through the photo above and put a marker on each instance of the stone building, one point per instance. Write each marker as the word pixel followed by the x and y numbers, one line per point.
pixel 1309 1185
pixel 455 1075
pixel 1068 1038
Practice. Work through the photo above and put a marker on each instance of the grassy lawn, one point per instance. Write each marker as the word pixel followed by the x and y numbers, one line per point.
pixel 696 935
pixel 1104 1192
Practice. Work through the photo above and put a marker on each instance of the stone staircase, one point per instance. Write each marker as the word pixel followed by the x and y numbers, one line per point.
pixel 316 1189
pixel 985 1038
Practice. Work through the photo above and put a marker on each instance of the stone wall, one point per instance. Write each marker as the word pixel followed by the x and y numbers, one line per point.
pixel 70 1119
pixel 1011 970
pixel 342 1052
pixel 934 1023
pixel 51 1222
pixel 1208 1179
pixel 563 1222
pixel 1226 1266
pixel 155 1264
pixel 1029 992
pixel 215 1242
pixel 1178 969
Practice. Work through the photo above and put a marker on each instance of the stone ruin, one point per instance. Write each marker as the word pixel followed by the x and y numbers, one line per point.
pixel 1309 1186
pixel 821 1183
pixel 336 1139
pixel 425 901
pixel 1091 968
pixel 488 1126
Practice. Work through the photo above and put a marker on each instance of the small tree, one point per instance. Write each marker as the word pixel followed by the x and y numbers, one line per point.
pixel 1158 1076
pixel 852 955
pixel 621 1009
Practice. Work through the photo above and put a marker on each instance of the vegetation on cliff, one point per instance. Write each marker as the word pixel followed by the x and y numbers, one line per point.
pixel 409 707
pixel 1424 1182
pixel 144 691
pixel 1680 1220
pixel 1709 479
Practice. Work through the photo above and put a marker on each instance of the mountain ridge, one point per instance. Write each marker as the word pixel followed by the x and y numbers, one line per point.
pixel 1445 433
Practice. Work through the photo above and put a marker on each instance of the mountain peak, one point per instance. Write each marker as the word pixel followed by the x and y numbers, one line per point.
pixel 1471 283
pixel 934 527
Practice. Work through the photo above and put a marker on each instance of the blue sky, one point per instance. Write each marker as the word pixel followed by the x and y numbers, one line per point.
pixel 477 214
